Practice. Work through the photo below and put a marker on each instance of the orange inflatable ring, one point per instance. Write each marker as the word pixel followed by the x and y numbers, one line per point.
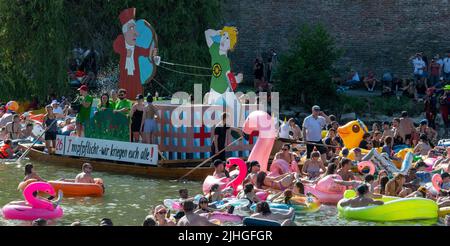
pixel 366 164
pixel 70 188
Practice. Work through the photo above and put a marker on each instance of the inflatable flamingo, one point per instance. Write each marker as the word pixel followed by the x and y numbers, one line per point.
pixel 262 122
pixel 34 207
pixel 326 190
pixel 226 182
pixel 241 176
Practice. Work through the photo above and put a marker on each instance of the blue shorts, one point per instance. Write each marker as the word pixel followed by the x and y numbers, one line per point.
pixel 149 126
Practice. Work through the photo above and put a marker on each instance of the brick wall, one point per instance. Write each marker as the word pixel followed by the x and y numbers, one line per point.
pixel 378 35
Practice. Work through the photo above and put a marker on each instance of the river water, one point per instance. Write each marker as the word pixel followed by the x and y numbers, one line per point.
pixel 129 199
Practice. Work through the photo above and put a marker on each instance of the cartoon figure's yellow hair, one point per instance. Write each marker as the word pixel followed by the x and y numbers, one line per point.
pixel 232 33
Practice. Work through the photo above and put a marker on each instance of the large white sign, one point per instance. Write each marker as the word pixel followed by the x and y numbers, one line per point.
pixel 107 149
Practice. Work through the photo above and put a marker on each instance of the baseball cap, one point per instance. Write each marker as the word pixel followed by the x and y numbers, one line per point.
pixel 139 97
pixel 316 108
pixel 55 102
pixel 83 88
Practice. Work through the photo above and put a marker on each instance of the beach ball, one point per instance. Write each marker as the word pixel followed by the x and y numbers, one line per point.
pixel 12 105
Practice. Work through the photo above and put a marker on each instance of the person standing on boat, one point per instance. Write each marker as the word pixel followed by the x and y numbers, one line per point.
pixel 105 103
pixel 13 128
pixel 123 105
pixel 113 99
pixel 137 113
pixel 312 132
pixel 52 129
pixel 85 110
pixel 86 175
pixel 219 138
pixel 149 121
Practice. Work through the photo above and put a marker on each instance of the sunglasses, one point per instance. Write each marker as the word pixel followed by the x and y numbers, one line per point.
pixel 285 149
pixel 162 212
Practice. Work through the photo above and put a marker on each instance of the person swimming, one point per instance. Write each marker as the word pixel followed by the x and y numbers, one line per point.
pixel 362 200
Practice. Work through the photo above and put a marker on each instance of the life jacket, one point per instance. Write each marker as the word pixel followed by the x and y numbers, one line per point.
pixel 3 151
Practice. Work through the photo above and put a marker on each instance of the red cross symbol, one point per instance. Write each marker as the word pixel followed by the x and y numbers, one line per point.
pixel 202 135
pixel 253 134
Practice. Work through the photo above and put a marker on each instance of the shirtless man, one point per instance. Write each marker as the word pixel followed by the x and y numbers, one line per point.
pixel 14 129
pixel 368 181
pixel 406 128
pixel 395 186
pixel 296 131
pixel 387 132
pixel 192 219
pixel 288 156
pixel 362 200
pixel 86 175
pixel 345 171
pixel 219 169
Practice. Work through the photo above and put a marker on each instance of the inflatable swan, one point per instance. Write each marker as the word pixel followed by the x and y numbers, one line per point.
pixel 383 162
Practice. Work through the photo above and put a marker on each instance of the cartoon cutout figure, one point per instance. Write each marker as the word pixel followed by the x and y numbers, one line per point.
pixel 136 46
pixel 223 81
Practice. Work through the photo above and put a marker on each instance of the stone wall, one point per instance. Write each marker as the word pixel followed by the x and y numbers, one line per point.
pixel 377 35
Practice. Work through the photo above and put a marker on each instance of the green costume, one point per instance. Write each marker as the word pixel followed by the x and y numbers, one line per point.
pixel 84 114
pixel 220 66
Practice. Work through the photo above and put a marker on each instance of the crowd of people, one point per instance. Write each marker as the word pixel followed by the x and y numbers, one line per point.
pixel 65 118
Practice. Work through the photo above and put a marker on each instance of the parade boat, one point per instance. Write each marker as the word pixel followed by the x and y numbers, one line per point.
pixel 164 170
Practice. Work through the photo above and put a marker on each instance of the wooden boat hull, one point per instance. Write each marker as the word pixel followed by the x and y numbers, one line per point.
pixel 107 166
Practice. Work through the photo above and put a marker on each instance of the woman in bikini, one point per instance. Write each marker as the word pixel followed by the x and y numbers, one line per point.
pixel 313 167
pixel 137 113
pixel 282 182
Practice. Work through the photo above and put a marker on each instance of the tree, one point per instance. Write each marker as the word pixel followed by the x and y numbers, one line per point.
pixel 305 71
pixel 37 37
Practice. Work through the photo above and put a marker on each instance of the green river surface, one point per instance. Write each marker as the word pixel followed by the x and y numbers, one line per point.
pixel 128 199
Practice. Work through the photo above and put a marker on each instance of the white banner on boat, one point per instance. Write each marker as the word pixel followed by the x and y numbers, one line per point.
pixel 107 149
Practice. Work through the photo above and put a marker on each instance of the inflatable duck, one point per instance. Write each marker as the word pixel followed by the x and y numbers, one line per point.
pixel 352 134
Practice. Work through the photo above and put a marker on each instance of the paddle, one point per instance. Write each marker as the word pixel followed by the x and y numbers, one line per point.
pixel 35 141
pixel 210 158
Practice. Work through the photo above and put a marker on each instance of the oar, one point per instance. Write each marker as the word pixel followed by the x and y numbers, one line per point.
pixel 35 141
pixel 210 158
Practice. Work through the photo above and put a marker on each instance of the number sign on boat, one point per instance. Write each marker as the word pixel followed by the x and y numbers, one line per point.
pixel 107 149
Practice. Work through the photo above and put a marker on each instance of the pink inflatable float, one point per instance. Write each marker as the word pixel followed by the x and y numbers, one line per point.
pixel 226 182
pixel 436 180
pixel 264 123
pixel 280 166
pixel 326 190
pixel 34 207
pixel 366 164
pixel 430 162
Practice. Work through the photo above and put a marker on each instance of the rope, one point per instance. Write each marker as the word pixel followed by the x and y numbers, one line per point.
pixel 165 88
pixel 185 73
pixel 184 65
pixel 210 158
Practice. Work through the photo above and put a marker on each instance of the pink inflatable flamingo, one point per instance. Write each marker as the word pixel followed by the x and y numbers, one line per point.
pixel 242 173
pixel 436 180
pixel 34 207
pixel 262 122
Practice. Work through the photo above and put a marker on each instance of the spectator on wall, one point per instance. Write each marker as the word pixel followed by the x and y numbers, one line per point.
pixel 446 67
pixel 258 71
pixel 370 81
pixel 353 79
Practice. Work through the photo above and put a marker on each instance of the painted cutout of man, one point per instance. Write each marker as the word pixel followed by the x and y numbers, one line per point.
pixel 125 46
pixel 223 81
